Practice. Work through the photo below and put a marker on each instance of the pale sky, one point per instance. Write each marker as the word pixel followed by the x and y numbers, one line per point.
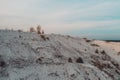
pixel 98 19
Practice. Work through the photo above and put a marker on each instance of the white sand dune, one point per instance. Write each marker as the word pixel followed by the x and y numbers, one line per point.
pixel 28 56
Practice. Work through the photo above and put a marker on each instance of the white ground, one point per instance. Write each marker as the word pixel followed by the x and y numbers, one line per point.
pixel 27 56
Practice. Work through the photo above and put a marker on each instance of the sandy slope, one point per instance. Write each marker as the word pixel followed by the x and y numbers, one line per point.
pixel 27 56
pixel 113 47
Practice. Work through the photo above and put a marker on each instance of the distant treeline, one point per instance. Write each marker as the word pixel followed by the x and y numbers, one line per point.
pixel 112 40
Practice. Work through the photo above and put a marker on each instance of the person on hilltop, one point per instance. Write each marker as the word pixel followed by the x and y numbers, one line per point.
pixel 39 29
pixel 42 31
